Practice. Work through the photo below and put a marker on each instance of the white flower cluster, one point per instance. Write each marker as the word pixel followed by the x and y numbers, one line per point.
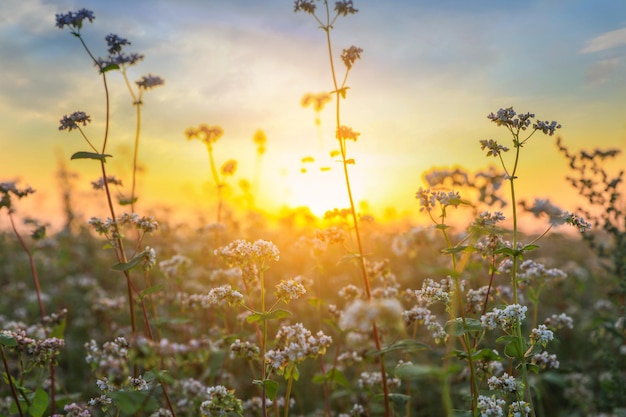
pixel 360 315
pixel 433 292
pixel 541 335
pixel 506 383
pixel 373 381
pixel 294 344
pixel 290 289
pixel 173 267
pixel 490 406
pixel 428 198
pixel 240 253
pixel 423 315
pixel 504 319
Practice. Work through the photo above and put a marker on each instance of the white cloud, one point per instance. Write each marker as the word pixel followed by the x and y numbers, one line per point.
pixel 607 40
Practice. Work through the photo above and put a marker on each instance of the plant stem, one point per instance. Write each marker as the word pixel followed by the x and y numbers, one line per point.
pixel 11 384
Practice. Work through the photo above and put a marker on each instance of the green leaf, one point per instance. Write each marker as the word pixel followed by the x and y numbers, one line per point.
pixel 90 155
pixel 59 330
pixel 533 350
pixel 514 349
pixel 38 403
pixel 533 368
pixel 271 387
pixel 407 345
pixel 109 67
pixel 334 376
pixel 530 247
pixel 126 201
pixel 151 290
pixel 415 371
pixel 455 327
pixel 158 376
pixel 6 340
pixel 349 257
pixel 507 251
pixel 126 266
pixel 273 315
pixel 454 249
pixel 485 355
pixel 131 402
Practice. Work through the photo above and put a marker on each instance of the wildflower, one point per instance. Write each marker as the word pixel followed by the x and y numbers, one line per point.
pixel 493 148
pixel 476 299
pixel 72 121
pixel 433 292
pixel 423 315
pixel 533 271
pixel 294 344
pixel 149 81
pixel 175 265
pixel 345 7
pixel 350 292
pixel 241 253
pixel 229 167
pixel 507 117
pixel 74 19
pixel 546 127
pixel 487 219
pixel 505 319
pixel 222 402
pixel 577 221
pixel 350 55
pixel 9 188
pixel 318 101
pixel 346 132
pixel 76 410
pixel 205 134
pixel 223 294
pixel 559 321
pixel 545 360
pixel 374 381
pixel 490 406
pixel 138 384
pixel 541 335
pixel 245 350
pixel 115 43
pixel 387 312
pixel 307 6
pixel 290 289
pixel 148 259
pixel 519 409
pixel 506 383
pixel 111 179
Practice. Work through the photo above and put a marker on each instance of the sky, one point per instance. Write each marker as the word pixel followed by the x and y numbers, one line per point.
pixel 429 74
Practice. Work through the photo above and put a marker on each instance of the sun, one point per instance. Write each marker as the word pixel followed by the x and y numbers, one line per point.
pixel 319 190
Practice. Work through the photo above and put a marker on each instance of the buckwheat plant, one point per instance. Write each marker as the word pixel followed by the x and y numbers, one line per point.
pixel 111 228
pixel 41 352
pixel 209 135
pixel 293 344
pixel 326 18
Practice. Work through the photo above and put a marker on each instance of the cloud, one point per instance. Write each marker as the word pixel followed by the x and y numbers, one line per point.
pixel 601 71
pixel 607 40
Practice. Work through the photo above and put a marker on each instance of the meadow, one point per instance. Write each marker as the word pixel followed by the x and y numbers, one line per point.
pixel 249 313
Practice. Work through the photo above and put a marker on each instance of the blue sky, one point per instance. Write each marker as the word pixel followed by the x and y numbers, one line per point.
pixel 430 73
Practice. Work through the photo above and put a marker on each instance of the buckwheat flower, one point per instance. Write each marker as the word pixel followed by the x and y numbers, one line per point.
pixel 148 259
pixel 8 189
pixel 115 43
pixel 294 344
pixel 138 384
pixel 290 289
pixel 433 292
pixel 229 167
pixel 476 299
pixel 100 401
pixel 76 410
pixel 74 19
pixel 73 120
pixel 493 149
pixel 490 406
pixel 373 381
pixel 346 132
pixel 149 81
pixel 350 292
pixel 162 412
pixel 519 409
pixel 545 360
pixel 225 293
pixel 559 321
pixel 350 55
pixel 530 271
pixel 541 335
pixel 307 6
pixel 245 350
pixel 423 315
pixel 504 319
pixel 205 134
pixel 486 219
pixel 222 402
pixel 345 7
pixel 111 179
pixel 546 127
pixel 360 314
pixel 505 382
pixel 123 59
pixel 545 206
pixel 577 221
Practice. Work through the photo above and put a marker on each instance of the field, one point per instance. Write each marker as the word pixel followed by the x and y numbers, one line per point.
pixel 471 312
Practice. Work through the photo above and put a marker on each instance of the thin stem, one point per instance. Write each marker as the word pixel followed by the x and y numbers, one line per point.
pixel 11 384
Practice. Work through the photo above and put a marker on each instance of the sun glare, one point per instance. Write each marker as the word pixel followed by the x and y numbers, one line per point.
pixel 320 191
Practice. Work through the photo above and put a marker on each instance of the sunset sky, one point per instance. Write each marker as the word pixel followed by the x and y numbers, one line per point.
pixel 430 73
